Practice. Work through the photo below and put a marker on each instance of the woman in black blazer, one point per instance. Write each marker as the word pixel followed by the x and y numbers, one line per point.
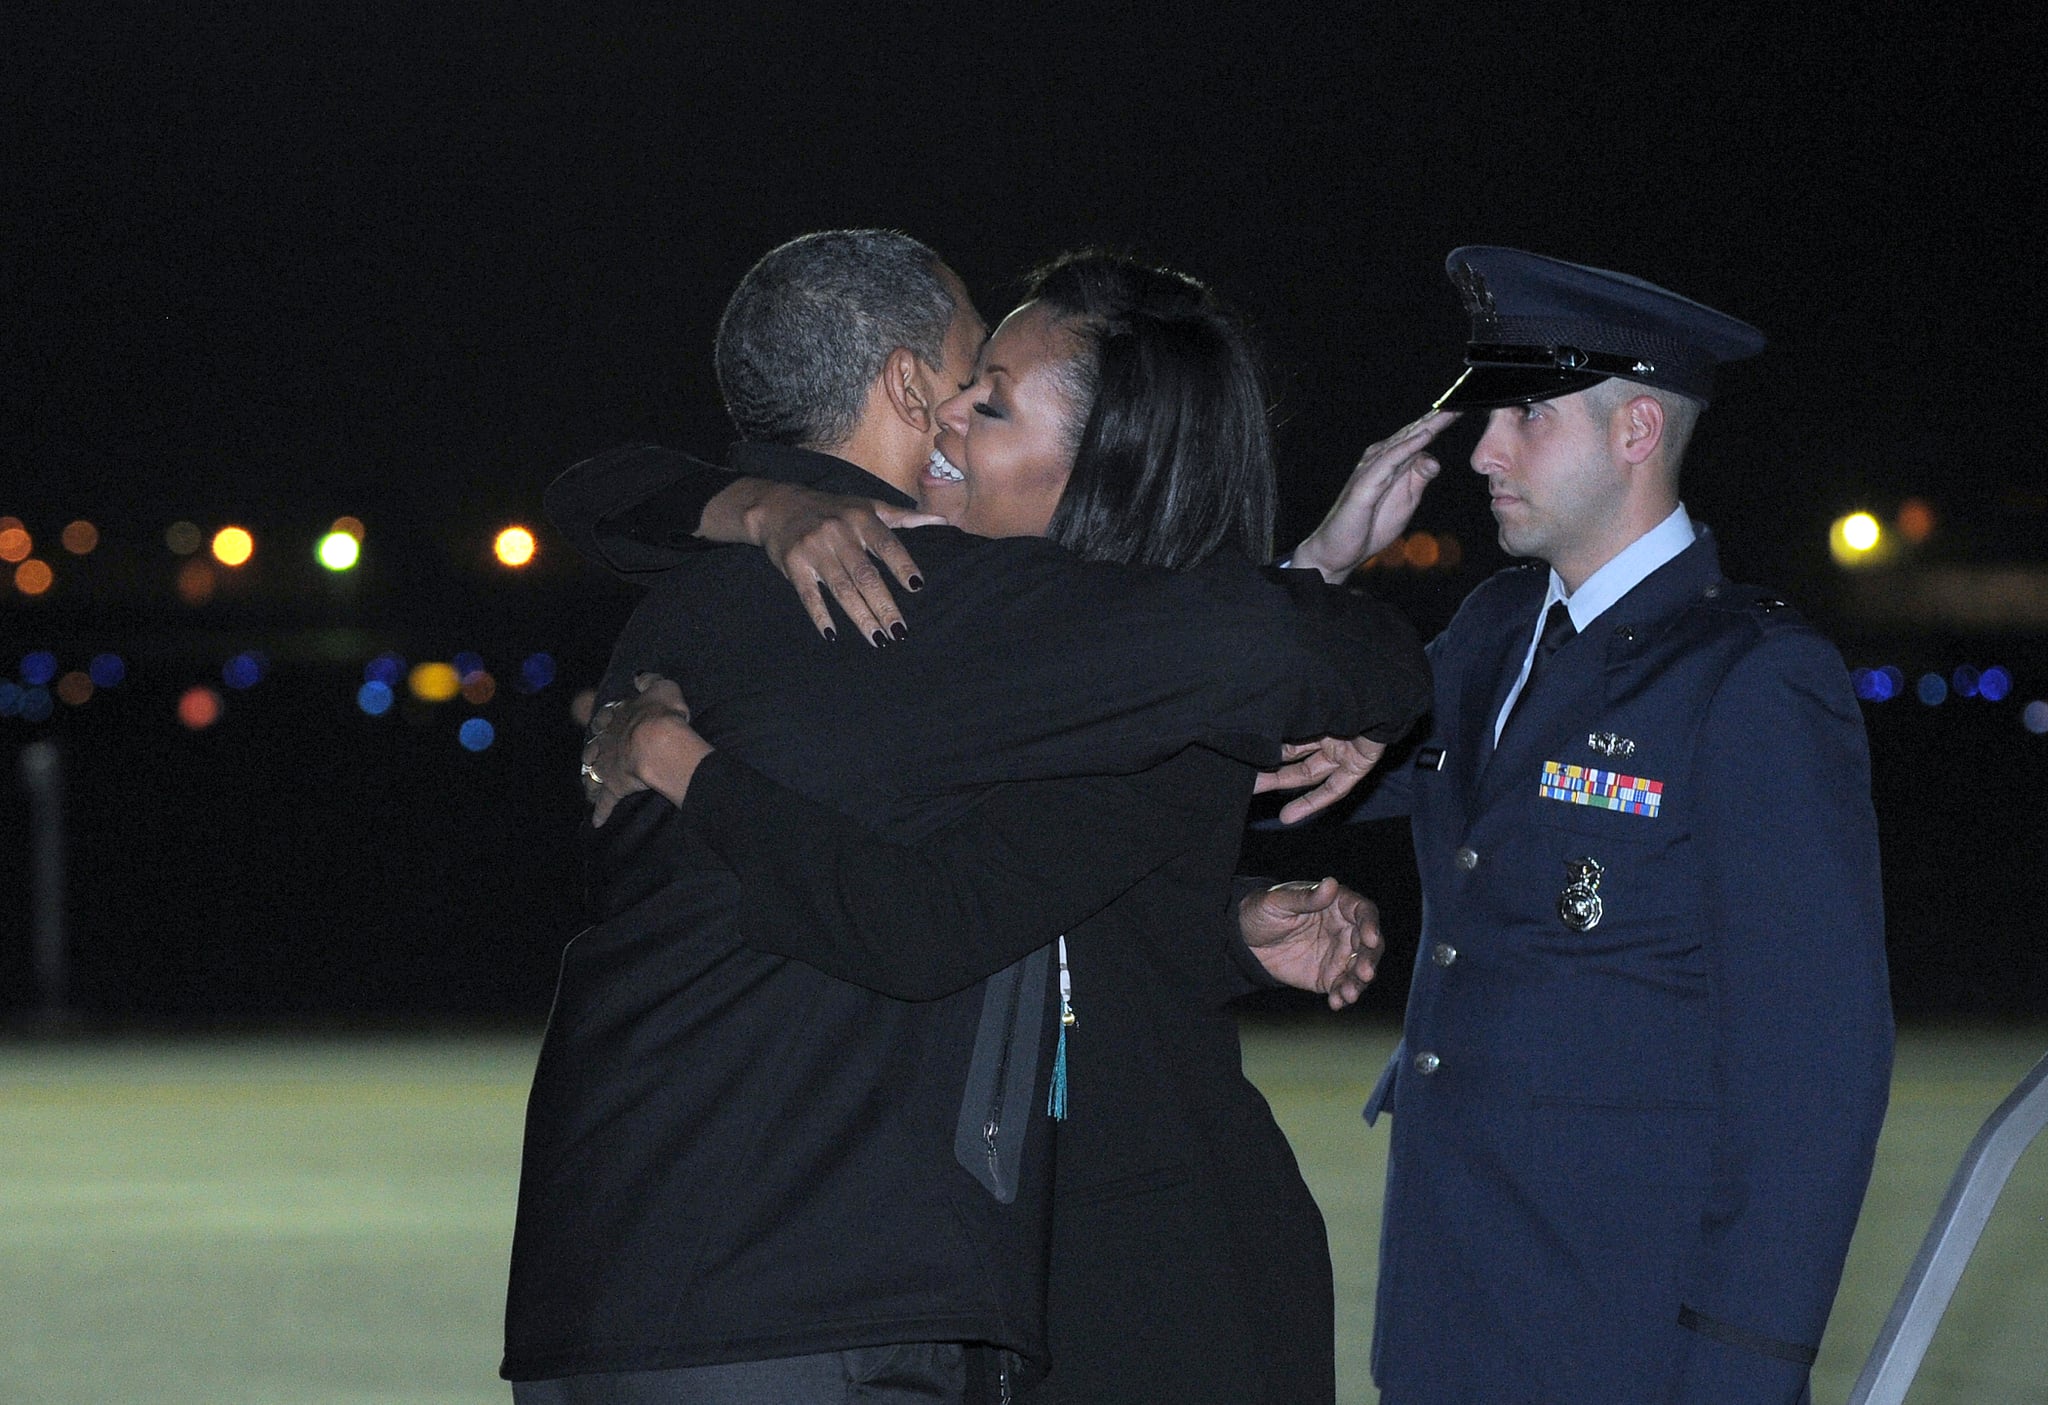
pixel 1118 412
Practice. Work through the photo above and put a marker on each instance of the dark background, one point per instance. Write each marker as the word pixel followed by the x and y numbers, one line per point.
pixel 268 267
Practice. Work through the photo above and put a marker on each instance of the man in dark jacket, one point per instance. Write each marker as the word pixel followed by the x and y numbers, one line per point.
pixel 1648 1044
pixel 744 1175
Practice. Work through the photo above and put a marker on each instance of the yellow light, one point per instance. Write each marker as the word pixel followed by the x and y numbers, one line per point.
pixel 232 546
pixel 1854 540
pixel 433 682
pixel 338 551
pixel 514 546
pixel 80 537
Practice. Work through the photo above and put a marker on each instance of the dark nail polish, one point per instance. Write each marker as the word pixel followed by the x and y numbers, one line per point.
pixel 880 639
pixel 899 630
pixel 916 582
pixel 831 635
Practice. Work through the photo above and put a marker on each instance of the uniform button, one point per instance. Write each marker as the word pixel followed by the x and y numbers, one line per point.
pixel 1427 1063
pixel 1443 953
pixel 1467 859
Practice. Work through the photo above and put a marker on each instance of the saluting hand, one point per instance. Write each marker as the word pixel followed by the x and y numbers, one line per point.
pixel 1377 500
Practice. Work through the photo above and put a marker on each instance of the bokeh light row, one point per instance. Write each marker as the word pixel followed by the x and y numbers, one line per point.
pixel 338 549
pixel 1859 539
pixel 1882 684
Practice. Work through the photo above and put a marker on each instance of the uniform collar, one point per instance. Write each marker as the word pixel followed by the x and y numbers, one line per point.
pixel 1635 563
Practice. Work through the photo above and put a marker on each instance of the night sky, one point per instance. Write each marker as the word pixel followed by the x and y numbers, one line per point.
pixel 273 264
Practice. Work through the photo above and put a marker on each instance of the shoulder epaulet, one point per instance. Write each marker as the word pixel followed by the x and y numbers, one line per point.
pixel 1755 601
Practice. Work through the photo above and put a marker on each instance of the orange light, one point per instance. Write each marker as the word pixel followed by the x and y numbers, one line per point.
pixel 514 546
pixel 196 582
pixel 33 577
pixel 80 537
pixel 74 688
pixel 479 688
pixel 1420 551
pixel 232 546
pixel 11 524
pixel 1916 520
pixel 15 544
pixel 348 527
pixel 199 708
pixel 433 682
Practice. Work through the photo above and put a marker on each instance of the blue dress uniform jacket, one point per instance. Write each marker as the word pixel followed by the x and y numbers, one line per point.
pixel 1627 1155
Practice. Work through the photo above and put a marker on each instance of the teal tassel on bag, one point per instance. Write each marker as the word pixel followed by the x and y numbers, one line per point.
pixel 1056 1101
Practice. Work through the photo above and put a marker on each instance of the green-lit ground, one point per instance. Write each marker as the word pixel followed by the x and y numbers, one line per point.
pixel 255 1222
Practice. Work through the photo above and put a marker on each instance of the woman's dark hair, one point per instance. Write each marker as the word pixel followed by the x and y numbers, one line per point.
pixel 1175 458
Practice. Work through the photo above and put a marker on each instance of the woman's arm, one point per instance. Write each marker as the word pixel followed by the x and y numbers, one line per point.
pixel 924 919
pixel 641 510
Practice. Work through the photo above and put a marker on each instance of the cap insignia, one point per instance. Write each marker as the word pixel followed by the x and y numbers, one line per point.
pixel 1478 299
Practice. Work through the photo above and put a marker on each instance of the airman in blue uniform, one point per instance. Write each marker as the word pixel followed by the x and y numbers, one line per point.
pixel 1648 1045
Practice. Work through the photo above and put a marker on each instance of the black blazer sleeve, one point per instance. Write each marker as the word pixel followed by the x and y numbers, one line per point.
pixel 634 510
pixel 1076 668
pixel 921 920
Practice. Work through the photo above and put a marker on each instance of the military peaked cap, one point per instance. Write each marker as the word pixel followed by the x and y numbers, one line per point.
pixel 1542 328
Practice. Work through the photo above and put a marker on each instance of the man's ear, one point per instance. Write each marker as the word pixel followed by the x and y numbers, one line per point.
pixel 907 387
pixel 1638 429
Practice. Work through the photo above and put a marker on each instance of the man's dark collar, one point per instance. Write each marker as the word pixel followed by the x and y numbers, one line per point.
pixel 784 463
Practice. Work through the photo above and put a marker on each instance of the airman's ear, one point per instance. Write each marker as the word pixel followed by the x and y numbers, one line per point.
pixel 1637 429
pixel 907 386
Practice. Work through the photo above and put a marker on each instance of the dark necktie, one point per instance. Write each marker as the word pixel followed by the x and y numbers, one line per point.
pixel 1557 628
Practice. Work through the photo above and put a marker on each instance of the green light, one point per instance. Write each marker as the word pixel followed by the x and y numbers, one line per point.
pixel 338 551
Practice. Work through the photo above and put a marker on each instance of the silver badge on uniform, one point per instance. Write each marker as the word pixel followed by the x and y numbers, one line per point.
pixel 1579 904
pixel 1608 744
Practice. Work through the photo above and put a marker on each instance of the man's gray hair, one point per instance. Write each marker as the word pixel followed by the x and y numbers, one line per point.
pixel 807 330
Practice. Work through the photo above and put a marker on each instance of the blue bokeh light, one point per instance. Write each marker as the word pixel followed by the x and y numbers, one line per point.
pixel 467 665
pixel 1875 684
pixel 375 698
pixel 2034 716
pixel 536 672
pixel 1964 680
pixel 36 704
pixel 38 668
pixel 387 668
pixel 1994 684
pixel 244 670
pixel 106 670
pixel 10 699
pixel 476 734
pixel 1932 689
